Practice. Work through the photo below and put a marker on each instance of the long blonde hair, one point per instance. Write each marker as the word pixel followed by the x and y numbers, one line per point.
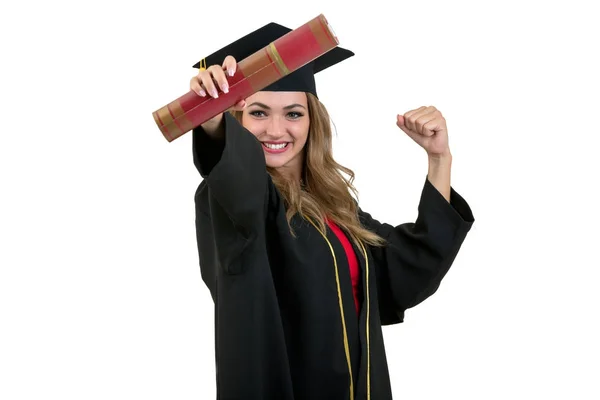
pixel 325 192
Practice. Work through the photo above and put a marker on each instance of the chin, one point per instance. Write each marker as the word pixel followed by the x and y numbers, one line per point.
pixel 275 163
pixel 278 154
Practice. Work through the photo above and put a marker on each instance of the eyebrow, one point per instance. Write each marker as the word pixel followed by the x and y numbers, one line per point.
pixel 266 107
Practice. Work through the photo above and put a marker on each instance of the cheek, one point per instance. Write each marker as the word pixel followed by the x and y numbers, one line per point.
pixel 300 133
pixel 252 125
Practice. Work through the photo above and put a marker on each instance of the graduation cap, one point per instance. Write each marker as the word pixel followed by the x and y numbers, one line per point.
pixel 301 80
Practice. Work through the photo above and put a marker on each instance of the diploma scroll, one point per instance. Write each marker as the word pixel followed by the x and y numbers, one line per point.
pixel 276 60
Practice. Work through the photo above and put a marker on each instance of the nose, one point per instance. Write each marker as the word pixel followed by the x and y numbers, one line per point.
pixel 276 128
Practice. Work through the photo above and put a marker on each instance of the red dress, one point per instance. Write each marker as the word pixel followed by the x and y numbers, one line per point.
pixel 352 261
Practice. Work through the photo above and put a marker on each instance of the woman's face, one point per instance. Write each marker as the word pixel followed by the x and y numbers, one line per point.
pixel 280 121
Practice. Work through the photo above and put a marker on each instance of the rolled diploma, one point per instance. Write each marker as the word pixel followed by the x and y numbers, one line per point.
pixel 276 60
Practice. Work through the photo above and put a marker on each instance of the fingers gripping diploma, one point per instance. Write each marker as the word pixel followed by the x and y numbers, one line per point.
pixel 208 80
pixel 427 127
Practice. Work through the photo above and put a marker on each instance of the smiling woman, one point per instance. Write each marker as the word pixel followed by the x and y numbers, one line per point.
pixel 280 121
pixel 294 130
pixel 302 279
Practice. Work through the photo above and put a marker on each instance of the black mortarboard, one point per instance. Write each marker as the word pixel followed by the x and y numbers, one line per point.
pixel 301 80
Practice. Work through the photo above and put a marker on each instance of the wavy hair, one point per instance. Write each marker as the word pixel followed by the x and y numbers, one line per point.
pixel 327 187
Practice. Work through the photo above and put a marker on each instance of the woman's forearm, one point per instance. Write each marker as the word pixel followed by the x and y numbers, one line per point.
pixel 439 173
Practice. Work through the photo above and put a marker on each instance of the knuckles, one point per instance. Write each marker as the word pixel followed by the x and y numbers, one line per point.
pixel 419 118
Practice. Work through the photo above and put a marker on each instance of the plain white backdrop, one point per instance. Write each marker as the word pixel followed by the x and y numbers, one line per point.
pixel 100 288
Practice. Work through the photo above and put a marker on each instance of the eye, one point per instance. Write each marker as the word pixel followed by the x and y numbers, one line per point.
pixel 295 114
pixel 257 113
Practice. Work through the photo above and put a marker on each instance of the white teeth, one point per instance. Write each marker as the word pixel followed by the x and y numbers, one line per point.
pixel 275 146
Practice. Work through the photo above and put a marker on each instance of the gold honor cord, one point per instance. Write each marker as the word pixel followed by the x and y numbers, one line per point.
pixel 346 346
pixel 368 316
pixel 339 293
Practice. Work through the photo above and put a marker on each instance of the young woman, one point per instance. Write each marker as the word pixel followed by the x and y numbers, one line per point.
pixel 302 278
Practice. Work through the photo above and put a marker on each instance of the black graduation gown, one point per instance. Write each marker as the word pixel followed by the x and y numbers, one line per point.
pixel 285 320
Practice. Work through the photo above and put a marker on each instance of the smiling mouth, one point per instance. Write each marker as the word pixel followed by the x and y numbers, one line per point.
pixel 275 148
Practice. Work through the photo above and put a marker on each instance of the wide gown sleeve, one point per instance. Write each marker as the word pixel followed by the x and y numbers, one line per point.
pixel 418 254
pixel 230 202
pixel 234 169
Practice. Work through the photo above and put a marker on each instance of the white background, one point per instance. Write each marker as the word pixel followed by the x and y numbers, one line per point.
pixel 100 289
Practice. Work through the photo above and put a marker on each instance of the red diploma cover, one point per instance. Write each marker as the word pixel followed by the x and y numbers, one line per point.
pixel 280 58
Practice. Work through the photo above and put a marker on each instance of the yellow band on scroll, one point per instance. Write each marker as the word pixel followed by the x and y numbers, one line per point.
pixel 278 59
